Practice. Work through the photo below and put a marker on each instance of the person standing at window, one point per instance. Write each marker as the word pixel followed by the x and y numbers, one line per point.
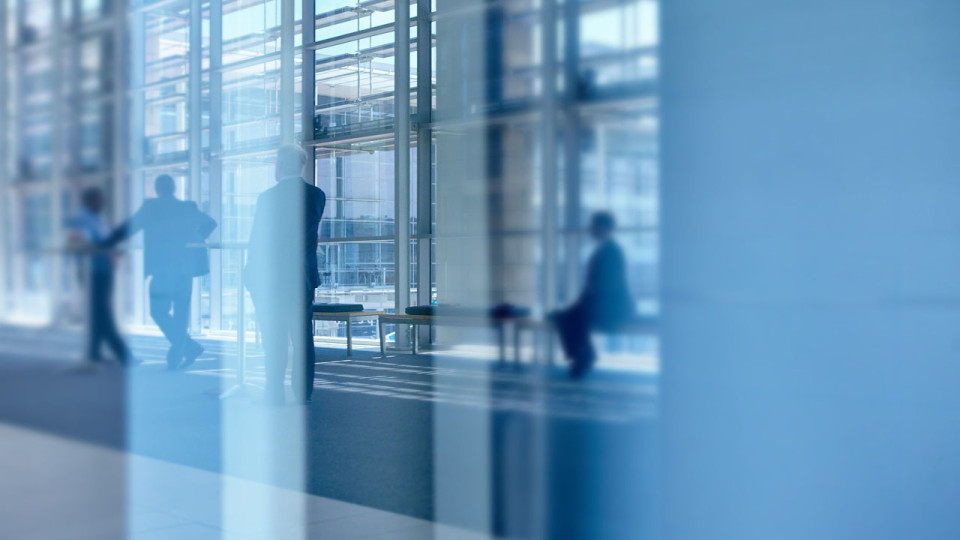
pixel 172 233
pixel 282 273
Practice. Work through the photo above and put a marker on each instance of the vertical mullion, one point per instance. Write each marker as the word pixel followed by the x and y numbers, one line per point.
pixel 194 96
pixel 56 157
pixel 18 270
pixel 308 83
pixel 73 85
pixel 424 154
pixel 195 123
pixel 216 162
pixel 4 162
pixel 286 70
pixel 548 135
pixel 308 108
pixel 401 105
pixel 132 125
pixel 571 153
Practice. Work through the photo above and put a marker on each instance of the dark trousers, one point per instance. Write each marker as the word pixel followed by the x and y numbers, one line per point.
pixel 573 326
pixel 102 327
pixel 170 309
pixel 286 318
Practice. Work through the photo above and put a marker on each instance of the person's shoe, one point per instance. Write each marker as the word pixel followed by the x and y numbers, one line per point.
pixel 193 351
pixel 173 360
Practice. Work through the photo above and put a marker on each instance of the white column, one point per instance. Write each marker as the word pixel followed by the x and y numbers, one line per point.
pixel 462 494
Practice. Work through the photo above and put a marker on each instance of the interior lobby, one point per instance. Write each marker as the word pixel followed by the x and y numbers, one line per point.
pixel 769 190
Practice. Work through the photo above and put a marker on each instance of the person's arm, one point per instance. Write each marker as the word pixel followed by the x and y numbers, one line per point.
pixel 73 222
pixel 76 240
pixel 588 290
pixel 607 265
pixel 205 224
pixel 125 230
pixel 601 273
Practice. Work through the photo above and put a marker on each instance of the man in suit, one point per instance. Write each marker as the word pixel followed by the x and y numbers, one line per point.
pixel 605 302
pixel 96 272
pixel 282 273
pixel 172 230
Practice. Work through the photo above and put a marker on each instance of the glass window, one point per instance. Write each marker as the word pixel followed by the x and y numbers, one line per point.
pixel 340 17
pixel 251 106
pixel 618 43
pixel 243 179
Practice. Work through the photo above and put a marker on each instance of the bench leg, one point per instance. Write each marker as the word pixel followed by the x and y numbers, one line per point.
pixel 502 342
pixel 550 342
pixel 516 346
pixel 535 343
pixel 349 336
pixel 383 338
pixel 413 336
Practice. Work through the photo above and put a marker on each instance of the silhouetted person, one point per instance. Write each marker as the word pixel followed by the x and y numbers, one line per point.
pixel 605 302
pixel 172 230
pixel 96 274
pixel 282 274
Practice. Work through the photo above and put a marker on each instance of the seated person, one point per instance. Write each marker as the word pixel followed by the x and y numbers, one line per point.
pixel 605 302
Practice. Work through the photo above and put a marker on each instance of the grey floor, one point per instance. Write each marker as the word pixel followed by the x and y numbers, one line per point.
pixel 58 488
pixel 385 438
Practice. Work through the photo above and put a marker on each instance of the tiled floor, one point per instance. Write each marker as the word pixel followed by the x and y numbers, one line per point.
pixel 52 488
pixel 148 453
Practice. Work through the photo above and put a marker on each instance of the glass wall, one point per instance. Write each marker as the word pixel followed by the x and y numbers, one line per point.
pixel 57 97
pixel 203 101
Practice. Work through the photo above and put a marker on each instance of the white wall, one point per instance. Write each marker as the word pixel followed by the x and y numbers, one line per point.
pixel 811 248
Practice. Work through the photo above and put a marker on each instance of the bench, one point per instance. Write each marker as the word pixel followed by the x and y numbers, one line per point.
pixel 539 326
pixel 499 323
pixel 347 313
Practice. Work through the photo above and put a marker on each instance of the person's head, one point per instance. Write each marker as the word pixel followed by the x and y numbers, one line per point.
pixel 164 185
pixel 602 225
pixel 92 199
pixel 290 161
